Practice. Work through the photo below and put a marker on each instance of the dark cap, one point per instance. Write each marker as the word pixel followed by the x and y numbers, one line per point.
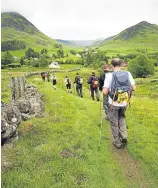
pixel 93 73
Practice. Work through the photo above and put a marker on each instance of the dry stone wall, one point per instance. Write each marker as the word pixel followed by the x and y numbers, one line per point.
pixel 26 102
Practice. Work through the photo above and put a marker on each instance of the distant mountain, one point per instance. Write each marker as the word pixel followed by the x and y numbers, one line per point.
pixel 143 34
pixel 76 42
pixel 16 27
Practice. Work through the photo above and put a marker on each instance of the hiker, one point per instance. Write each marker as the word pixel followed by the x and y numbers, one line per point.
pixel 54 81
pixel 68 84
pixel 43 76
pixel 119 86
pixel 101 84
pixel 79 82
pixel 48 76
pixel 94 83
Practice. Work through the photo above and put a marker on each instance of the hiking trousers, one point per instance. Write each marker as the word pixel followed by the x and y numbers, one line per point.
pixel 106 104
pixel 118 123
pixel 79 90
pixel 96 92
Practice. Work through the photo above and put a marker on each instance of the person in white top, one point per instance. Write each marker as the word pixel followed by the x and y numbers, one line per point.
pixel 54 81
pixel 118 103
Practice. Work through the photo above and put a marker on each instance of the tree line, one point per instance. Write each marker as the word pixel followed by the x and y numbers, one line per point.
pixel 140 64
pixel 12 45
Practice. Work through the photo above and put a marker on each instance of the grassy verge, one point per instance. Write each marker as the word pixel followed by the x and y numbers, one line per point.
pixel 61 149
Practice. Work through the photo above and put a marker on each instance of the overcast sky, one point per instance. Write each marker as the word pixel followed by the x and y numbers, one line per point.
pixel 83 19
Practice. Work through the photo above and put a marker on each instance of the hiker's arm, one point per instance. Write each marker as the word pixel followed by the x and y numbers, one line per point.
pixel 106 85
pixel 105 90
pixel 132 82
pixel 133 87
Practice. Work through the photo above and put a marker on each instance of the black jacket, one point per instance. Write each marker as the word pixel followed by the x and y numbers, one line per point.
pixel 101 81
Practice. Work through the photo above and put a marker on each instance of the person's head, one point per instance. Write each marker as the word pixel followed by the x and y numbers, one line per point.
pixel 106 68
pixel 116 62
pixel 77 73
pixel 66 76
pixel 93 73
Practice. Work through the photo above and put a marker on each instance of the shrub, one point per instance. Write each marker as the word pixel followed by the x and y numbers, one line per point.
pixel 141 66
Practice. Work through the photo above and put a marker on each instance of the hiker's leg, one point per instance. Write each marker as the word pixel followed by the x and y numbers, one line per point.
pixel 105 103
pixel 114 123
pixel 106 106
pixel 122 123
pixel 81 94
pixel 70 88
pixel 77 90
pixel 97 94
pixel 92 93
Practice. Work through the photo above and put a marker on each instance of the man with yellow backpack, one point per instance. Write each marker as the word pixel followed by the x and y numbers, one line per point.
pixel 118 85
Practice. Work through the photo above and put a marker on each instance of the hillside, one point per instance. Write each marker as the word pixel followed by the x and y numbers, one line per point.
pixel 16 27
pixel 141 35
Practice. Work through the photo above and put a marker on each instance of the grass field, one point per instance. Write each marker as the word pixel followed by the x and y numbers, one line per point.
pixel 61 149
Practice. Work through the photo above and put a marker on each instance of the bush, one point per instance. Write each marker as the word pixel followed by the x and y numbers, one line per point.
pixel 141 66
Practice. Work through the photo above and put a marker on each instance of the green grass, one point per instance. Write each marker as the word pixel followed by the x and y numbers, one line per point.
pixel 71 124
pixel 64 127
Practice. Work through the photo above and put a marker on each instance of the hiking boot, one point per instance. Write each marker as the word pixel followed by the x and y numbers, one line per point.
pixel 118 145
pixel 124 142
pixel 107 118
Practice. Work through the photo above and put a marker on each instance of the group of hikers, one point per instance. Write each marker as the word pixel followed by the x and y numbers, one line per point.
pixel 117 86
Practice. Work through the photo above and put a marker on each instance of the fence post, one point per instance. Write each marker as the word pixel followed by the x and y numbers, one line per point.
pixel 18 87
pixel 22 85
pixel 13 86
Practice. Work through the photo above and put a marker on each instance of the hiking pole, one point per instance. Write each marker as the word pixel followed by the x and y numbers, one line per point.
pixel 101 124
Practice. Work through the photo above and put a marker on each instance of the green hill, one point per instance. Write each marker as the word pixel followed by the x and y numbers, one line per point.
pixel 17 29
pixel 142 35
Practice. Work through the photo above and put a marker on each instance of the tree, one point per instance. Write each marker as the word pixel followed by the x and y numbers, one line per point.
pixel 31 53
pixel 22 62
pixel 73 52
pixel 60 53
pixel 44 51
pixel 12 45
pixel 141 66
pixel 7 59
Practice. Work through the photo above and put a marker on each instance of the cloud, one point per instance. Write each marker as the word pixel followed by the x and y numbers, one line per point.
pixel 84 19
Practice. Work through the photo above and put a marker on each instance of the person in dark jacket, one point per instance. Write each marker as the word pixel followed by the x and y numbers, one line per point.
pixel 94 83
pixel 105 97
pixel 78 81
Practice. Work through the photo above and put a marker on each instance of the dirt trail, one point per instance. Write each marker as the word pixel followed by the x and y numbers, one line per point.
pixel 130 167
